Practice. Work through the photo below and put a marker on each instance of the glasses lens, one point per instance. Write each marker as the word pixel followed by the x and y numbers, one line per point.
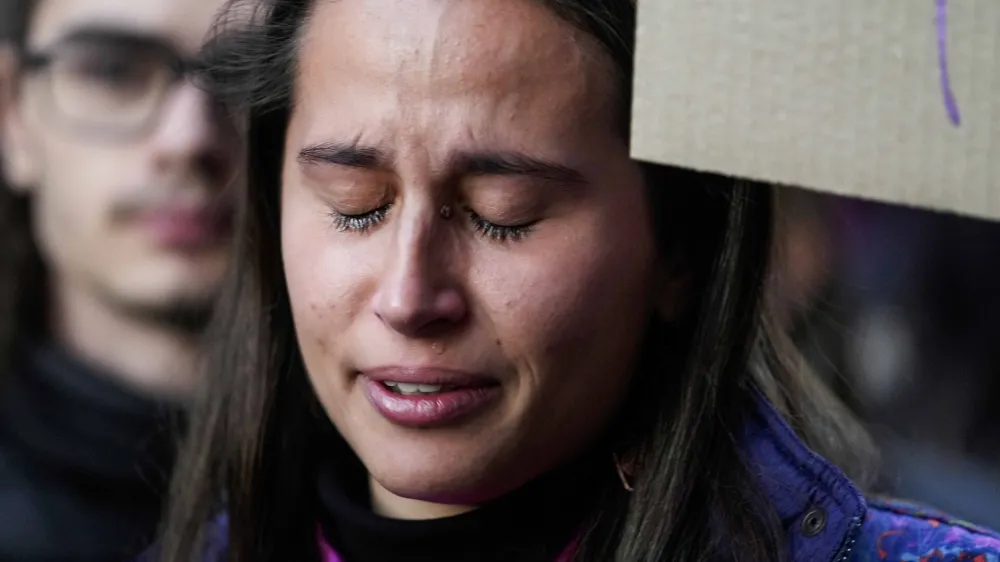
pixel 107 86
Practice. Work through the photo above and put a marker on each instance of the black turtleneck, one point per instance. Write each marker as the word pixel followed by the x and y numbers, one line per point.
pixel 84 463
pixel 533 524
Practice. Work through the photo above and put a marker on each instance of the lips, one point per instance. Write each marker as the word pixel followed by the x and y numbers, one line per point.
pixel 183 228
pixel 426 398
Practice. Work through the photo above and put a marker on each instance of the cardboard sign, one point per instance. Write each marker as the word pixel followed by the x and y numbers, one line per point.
pixel 893 100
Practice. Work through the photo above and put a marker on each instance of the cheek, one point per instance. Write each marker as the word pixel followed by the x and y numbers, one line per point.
pixel 324 287
pixel 571 317
pixel 81 186
pixel 577 306
pixel 81 179
pixel 72 214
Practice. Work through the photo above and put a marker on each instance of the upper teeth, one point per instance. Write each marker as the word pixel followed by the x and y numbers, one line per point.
pixel 409 388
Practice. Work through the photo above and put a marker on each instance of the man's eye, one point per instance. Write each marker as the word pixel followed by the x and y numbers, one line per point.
pixel 116 70
pixel 124 73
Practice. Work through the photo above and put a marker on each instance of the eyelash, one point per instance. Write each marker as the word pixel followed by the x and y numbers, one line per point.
pixel 497 232
pixel 361 223
pixel 364 222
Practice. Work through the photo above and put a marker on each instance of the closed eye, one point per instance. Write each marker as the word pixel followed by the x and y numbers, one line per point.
pixel 498 232
pixel 361 222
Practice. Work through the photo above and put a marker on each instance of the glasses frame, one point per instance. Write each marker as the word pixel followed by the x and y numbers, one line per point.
pixel 40 63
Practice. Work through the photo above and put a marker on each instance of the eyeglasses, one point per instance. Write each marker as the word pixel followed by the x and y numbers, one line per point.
pixel 107 84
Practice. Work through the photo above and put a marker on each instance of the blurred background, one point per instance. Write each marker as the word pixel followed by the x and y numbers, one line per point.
pixel 899 311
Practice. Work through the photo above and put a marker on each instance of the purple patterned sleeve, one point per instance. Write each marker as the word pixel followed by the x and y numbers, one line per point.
pixel 900 532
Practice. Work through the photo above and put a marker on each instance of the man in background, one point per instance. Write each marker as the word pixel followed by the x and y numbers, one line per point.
pixel 114 234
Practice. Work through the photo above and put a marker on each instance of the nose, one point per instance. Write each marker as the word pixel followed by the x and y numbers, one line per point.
pixel 418 296
pixel 191 136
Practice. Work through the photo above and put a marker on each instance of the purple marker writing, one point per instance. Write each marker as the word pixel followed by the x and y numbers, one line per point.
pixel 942 39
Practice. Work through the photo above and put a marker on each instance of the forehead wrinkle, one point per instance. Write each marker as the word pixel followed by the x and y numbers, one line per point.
pixel 446 79
pixel 449 49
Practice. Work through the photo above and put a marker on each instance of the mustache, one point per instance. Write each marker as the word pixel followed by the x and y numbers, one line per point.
pixel 218 204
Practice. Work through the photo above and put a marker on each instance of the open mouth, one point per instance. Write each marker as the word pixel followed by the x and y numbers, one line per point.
pixel 412 389
pixel 431 403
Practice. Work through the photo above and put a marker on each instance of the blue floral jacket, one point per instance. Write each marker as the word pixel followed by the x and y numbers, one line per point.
pixel 826 519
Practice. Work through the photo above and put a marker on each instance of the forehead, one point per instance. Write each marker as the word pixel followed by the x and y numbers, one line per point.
pixel 182 23
pixel 458 32
pixel 514 54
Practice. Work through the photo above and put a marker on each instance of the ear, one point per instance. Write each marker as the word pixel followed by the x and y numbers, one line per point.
pixel 673 289
pixel 18 164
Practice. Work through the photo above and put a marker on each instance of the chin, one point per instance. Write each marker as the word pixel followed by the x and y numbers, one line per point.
pixel 166 296
pixel 186 307
pixel 451 488
pixel 187 276
pixel 450 473
pixel 164 283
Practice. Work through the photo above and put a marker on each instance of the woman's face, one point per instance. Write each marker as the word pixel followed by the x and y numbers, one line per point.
pixel 467 246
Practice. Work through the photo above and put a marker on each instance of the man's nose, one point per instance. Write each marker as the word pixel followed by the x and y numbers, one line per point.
pixel 192 132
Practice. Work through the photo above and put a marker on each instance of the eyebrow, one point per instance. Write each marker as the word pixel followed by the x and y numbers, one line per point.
pixel 516 164
pixel 113 36
pixel 464 164
pixel 350 155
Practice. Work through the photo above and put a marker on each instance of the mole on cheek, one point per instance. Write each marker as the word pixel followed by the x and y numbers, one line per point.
pixel 317 311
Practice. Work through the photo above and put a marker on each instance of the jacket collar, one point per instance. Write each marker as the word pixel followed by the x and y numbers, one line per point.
pixel 820 509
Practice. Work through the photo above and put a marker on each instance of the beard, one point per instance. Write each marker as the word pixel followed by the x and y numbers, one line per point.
pixel 187 316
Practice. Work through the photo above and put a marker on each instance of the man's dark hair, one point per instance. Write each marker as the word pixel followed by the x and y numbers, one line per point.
pixel 14 15
pixel 22 277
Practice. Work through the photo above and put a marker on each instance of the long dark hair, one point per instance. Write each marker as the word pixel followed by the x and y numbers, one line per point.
pixel 249 450
pixel 23 312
